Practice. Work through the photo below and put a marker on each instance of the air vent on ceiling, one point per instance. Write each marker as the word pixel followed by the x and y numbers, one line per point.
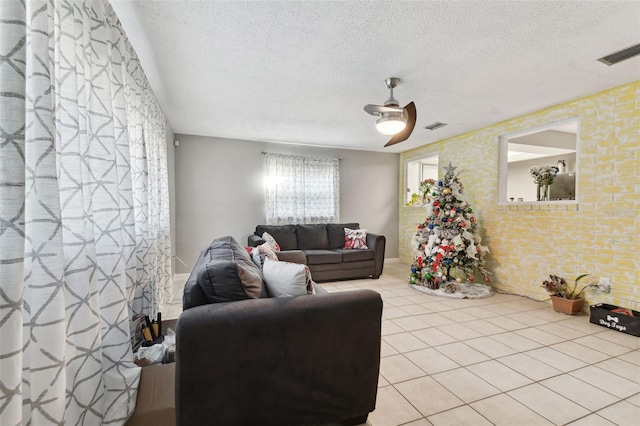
pixel 435 125
pixel 621 55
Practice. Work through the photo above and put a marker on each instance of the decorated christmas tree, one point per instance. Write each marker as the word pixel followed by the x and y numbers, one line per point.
pixel 447 244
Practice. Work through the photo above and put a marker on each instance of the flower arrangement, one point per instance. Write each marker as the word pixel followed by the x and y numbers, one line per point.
pixel 543 175
pixel 557 286
pixel 426 186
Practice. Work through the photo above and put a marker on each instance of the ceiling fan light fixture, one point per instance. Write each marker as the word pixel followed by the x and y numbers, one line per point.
pixel 390 125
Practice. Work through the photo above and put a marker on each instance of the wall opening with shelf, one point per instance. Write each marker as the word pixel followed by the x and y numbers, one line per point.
pixel 553 145
pixel 416 171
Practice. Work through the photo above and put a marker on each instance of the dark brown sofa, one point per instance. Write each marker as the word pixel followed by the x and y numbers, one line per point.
pixel 322 244
pixel 303 360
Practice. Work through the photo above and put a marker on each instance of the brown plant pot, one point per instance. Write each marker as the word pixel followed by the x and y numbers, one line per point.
pixel 567 306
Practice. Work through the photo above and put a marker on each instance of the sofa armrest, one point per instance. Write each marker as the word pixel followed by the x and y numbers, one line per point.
pixel 377 244
pixel 254 240
pixel 293 256
pixel 291 360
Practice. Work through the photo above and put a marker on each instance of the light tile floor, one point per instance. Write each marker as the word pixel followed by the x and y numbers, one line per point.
pixel 503 360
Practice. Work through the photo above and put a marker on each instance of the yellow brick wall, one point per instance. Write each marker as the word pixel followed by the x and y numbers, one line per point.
pixel 600 235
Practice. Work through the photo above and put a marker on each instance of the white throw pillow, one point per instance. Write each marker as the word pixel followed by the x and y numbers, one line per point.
pixel 287 279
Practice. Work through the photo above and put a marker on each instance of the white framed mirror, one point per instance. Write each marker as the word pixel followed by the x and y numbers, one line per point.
pixel 550 150
pixel 416 171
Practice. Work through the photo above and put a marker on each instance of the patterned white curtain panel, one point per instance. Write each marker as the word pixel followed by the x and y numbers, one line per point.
pixel 84 213
pixel 301 189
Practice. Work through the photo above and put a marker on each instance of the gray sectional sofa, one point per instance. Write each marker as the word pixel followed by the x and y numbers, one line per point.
pixel 244 358
pixel 323 247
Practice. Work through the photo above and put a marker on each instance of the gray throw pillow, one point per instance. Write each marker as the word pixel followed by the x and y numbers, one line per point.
pixel 287 279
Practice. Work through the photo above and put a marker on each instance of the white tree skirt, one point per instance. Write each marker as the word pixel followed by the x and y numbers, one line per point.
pixel 463 290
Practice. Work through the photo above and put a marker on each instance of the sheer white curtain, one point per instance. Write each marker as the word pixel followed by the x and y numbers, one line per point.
pixel 301 189
pixel 84 222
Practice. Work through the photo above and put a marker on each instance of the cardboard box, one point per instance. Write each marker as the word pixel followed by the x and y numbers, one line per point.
pixel 602 314
pixel 156 403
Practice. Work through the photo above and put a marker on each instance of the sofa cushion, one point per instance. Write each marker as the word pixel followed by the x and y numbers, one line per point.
pixel 349 255
pixel 319 257
pixel 229 274
pixel 335 233
pixel 285 235
pixel 312 236
pixel 284 279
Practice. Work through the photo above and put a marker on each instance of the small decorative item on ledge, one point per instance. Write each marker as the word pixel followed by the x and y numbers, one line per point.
pixel 426 187
pixel 542 193
pixel 543 177
pixel 564 300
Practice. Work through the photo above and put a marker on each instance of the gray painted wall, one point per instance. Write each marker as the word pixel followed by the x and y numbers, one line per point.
pixel 219 191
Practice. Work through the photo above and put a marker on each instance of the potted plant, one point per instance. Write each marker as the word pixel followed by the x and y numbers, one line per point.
pixel 564 299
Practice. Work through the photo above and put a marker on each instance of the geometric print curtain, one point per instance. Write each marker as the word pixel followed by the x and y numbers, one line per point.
pixel 301 189
pixel 84 216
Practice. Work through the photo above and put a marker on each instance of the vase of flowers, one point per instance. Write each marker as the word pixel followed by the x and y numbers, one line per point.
pixel 564 299
pixel 426 186
pixel 543 177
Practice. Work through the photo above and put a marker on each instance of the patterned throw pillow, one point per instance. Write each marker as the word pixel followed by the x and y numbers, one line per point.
pixel 355 239
pixel 271 241
pixel 262 252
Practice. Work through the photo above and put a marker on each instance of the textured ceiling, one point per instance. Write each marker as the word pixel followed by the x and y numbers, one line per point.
pixel 301 71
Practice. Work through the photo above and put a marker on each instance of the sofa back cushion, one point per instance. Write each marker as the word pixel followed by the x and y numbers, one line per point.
pixel 312 236
pixel 229 273
pixel 285 235
pixel 335 233
pixel 193 294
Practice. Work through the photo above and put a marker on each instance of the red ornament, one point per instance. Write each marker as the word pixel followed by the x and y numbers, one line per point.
pixel 436 263
pixel 486 279
pixel 420 227
pixel 419 262
pixel 462 224
pixel 473 219
pixel 471 278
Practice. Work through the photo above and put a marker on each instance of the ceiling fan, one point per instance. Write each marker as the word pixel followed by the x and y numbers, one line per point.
pixel 393 120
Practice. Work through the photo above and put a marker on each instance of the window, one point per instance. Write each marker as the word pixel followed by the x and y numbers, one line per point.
pixel 416 171
pixel 553 145
pixel 301 189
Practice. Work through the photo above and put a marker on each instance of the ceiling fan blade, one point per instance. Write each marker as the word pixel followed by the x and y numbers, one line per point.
pixel 410 111
pixel 378 109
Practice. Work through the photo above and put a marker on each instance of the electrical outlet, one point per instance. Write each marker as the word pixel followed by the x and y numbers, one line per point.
pixel 604 285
